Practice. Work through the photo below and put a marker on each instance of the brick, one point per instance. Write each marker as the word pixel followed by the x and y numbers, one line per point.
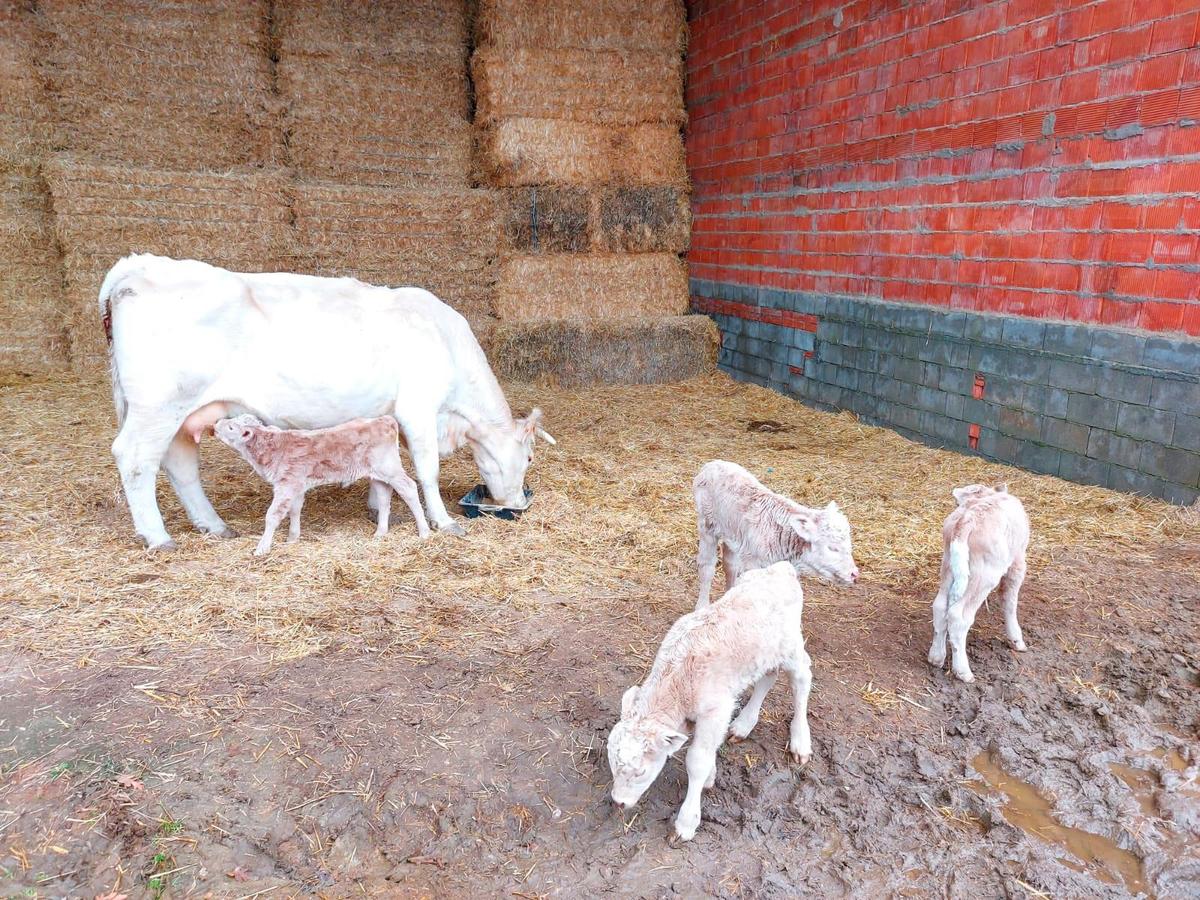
pixel 979 412
pixel 1047 400
pixel 1187 432
pixel 1065 435
pixel 1073 340
pixel 1109 447
pixel 1178 493
pixel 1004 391
pixel 1171 464
pixel 1073 376
pixel 1117 346
pixel 1174 355
pixel 1020 424
pixel 956 403
pixel 1088 409
pixel 950 431
pixel 1133 481
pixel 1082 469
pixel 1145 423
pixel 1027 333
pixel 1038 458
pixel 1117 384
pixel 999 446
pixel 984 328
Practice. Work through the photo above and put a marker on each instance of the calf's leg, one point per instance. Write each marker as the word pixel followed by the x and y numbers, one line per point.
pixel 281 503
pixel 1011 586
pixel 392 473
pixel 380 500
pixel 701 767
pixel 800 739
pixel 732 564
pixel 706 561
pixel 937 650
pixel 748 717
pixel 182 465
pixel 294 524
pixel 960 617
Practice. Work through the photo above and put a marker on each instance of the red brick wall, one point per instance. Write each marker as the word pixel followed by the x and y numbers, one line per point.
pixel 1034 157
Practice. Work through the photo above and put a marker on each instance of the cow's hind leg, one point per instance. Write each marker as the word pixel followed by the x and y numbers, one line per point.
pixel 139 449
pixel 182 465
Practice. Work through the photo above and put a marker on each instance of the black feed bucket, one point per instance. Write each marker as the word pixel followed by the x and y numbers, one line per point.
pixel 473 505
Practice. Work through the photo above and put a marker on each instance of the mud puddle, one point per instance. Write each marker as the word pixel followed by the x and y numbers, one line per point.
pixel 1031 812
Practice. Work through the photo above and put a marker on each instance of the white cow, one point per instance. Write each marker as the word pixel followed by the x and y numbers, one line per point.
pixel 706 661
pixel 754 527
pixel 984 542
pixel 193 343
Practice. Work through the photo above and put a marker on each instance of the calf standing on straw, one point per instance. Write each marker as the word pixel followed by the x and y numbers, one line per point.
pixel 756 527
pixel 984 543
pixel 293 462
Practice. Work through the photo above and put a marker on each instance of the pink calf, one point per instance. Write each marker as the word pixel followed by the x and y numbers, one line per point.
pixel 293 462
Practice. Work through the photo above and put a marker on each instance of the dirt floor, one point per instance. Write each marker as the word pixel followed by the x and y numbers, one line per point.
pixel 394 718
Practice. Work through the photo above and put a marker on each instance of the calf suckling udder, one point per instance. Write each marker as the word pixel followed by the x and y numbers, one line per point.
pixel 201 422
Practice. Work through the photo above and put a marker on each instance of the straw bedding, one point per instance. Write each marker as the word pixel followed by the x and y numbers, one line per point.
pixel 445 241
pixel 236 220
pixel 170 85
pixel 527 151
pixel 591 286
pixel 612 516
pixel 605 87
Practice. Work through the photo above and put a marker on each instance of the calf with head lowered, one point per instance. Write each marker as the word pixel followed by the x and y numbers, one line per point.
pixel 293 462
pixel 984 541
pixel 706 661
pixel 754 527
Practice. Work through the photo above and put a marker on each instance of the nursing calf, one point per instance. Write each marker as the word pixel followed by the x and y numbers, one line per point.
pixel 707 660
pixel 984 542
pixel 293 462
pixel 755 527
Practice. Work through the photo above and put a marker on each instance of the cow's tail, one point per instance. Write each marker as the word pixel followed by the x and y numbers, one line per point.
pixel 959 554
pixel 115 282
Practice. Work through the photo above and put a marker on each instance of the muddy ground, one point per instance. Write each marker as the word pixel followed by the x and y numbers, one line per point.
pixel 366 770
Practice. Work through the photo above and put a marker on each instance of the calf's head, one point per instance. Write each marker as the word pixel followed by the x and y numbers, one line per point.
pixel 828 553
pixel 638 748
pixel 969 492
pixel 236 432
pixel 503 454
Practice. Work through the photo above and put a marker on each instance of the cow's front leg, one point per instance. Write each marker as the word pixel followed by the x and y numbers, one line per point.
pixel 422 446
pixel 182 465
pixel 138 450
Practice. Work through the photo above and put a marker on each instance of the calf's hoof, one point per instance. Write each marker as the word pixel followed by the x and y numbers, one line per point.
pixel 800 759
pixel 682 833
pixel 968 677
pixel 937 660
pixel 1019 646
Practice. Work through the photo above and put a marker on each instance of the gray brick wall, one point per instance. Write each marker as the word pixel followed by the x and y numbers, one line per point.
pixel 1091 404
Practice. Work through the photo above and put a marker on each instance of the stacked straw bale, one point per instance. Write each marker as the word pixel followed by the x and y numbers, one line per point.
pixel 24 113
pixel 182 84
pixel 239 220
pixel 443 240
pixel 591 286
pixel 376 93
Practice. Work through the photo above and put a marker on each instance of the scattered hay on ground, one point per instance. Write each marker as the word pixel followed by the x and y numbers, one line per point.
pixel 612 513
pixel 591 286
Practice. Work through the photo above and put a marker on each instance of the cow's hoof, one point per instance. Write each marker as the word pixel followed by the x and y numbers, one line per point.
pixel 224 533
pixel 453 528
pixel 165 547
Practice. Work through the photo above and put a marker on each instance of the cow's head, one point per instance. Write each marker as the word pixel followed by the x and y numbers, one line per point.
pixel 638 748
pixel 829 553
pixel 503 454
pixel 237 431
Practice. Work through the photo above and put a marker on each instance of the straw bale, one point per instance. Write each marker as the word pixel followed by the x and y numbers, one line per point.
pixel 445 241
pixel 644 219
pixel 174 85
pixel 395 123
pixel 606 87
pixel 238 220
pixel 658 25
pixel 24 112
pixel 591 286
pixel 519 152
pixel 32 332
pixel 573 354
pixel 381 27
pixel 551 218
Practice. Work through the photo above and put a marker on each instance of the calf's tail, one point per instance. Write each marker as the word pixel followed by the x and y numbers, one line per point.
pixel 959 569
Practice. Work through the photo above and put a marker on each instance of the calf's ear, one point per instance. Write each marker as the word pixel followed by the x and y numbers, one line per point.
pixel 627 701
pixel 805 527
pixel 671 741
pixel 1002 487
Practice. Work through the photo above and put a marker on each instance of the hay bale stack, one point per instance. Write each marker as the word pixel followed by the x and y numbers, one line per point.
pixel 558 218
pixel 574 354
pixel 238 220
pixel 443 240
pixel 376 93
pixel 659 25
pixel 177 85
pixel 591 286
pixel 24 113
pixel 32 332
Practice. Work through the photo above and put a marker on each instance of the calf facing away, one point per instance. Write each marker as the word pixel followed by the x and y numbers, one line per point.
pixel 293 462
pixel 984 542
pixel 706 661
pixel 756 527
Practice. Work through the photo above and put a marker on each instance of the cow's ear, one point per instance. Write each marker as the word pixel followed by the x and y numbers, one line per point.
pixel 671 741
pixel 627 701
pixel 532 425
